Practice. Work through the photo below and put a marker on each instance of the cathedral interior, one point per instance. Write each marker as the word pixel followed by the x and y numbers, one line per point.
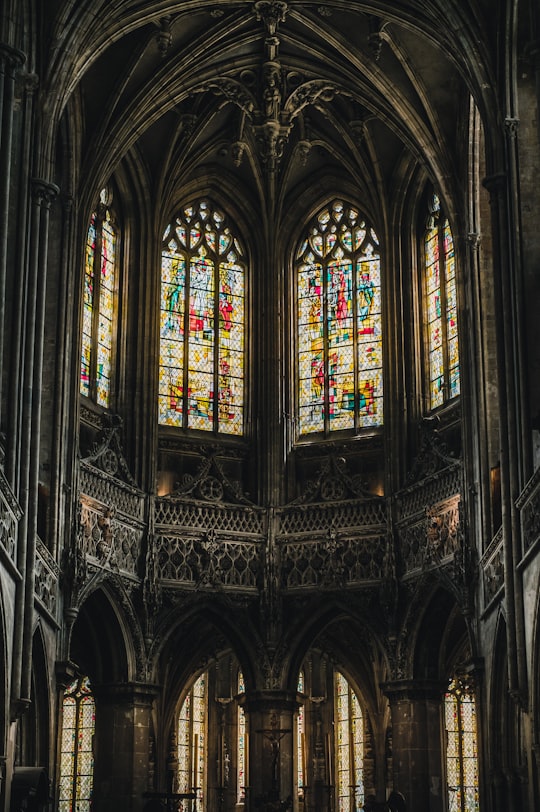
pixel 270 405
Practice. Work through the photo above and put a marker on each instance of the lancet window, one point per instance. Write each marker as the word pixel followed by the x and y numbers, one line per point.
pixel 191 737
pixel 440 308
pixel 76 748
pixel 461 747
pixel 202 329
pixel 242 746
pixel 349 746
pixel 339 324
pixel 99 304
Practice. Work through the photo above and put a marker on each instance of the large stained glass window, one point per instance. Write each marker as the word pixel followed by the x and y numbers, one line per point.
pixel 338 273
pixel 461 747
pixel 192 740
pixel 202 344
pixel 349 746
pixel 101 257
pixel 440 308
pixel 76 748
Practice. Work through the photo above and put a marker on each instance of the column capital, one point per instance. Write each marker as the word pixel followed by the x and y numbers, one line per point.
pixel 126 693
pixel 44 192
pixel 65 671
pixel 411 690
pixel 511 125
pixel 12 56
pixel 268 701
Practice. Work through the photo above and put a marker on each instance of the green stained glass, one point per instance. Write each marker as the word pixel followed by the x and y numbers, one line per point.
pixel 339 323
pixel 76 748
pixel 440 307
pixel 202 325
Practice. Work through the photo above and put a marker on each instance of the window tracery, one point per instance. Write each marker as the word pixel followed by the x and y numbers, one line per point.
pixel 98 321
pixel 349 746
pixel 202 342
pixel 461 747
pixel 192 740
pixel 440 308
pixel 339 323
pixel 76 748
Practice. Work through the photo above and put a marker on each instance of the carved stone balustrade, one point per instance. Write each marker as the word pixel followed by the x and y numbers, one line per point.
pixel 46 574
pixel 529 505
pixel 10 513
pixel 492 568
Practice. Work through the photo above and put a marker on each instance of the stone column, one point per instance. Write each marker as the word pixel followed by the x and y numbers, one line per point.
pixel 11 60
pixel 122 746
pixel 270 774
pixel 417 756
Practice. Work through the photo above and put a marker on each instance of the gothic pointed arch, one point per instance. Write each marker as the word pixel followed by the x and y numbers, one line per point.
pixel 202 367
pixel 338 325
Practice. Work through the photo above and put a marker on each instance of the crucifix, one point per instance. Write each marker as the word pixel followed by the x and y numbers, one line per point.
pixel 274 734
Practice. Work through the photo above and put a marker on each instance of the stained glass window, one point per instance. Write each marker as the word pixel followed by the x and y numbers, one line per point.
pixel 338 276
pixel 440 308
pixel 202 343
pixel 76 748
pixel 301 755
pixel 99 306
pixel 192 740
pixel 242 746
pixel 349 746
pixel 461 747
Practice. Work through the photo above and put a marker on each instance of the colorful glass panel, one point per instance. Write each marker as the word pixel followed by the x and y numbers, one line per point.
pixel 202 325
pixel 76 748
pixel 242 743
pixel 191 740
pixel 98 308
pixel 440 305
pixel 339 324
pixel 349 746
pixel 301 755
pixel 461 748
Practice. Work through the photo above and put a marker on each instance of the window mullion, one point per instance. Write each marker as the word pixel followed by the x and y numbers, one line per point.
pixel 442 294
pixel 185 370
pixel 95 306
pixel 326 352
pixel 217 347
pixel 354 261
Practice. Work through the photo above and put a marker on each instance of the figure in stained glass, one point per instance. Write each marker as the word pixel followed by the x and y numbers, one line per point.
pixel 440 308
pixel 339 323
pixel 98 320
pixel 202 336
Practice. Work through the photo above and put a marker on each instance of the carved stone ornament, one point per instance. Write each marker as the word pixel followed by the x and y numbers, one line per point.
pixel 107 453
pixel 210 482
pixel 333 483
pixel 271 13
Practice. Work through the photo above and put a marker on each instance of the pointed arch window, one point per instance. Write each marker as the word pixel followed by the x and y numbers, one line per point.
pixel 202 331
pixel 461 747
pixel 76 748
pixel 99 304
pixel 349 746
pixel 339 324
pixel 191 737
pixel 440 308
pixel 301 755
pixel 242 746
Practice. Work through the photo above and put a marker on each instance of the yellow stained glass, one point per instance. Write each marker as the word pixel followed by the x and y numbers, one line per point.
pixel 339 324
pixel 202 324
